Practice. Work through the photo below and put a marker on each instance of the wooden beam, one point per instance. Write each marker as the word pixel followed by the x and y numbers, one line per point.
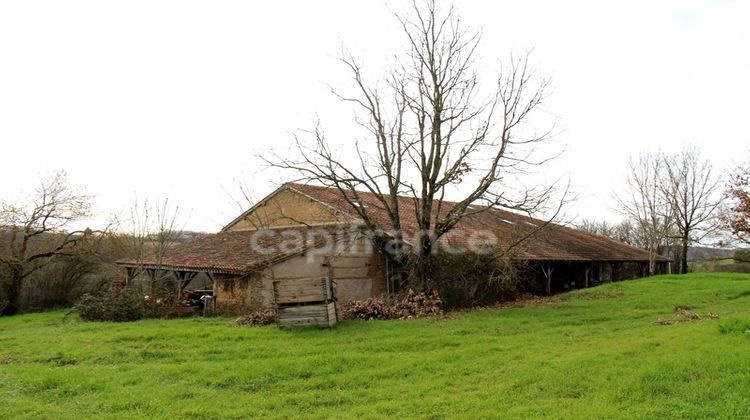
pixel 547 271
pixel 129 276
pixel 183 279
pixel 587 274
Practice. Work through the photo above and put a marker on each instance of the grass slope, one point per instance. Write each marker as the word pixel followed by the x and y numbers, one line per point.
pixel 595 353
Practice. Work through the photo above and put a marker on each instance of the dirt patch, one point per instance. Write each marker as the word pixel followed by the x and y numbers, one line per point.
pixel 6 359
pixel 682 315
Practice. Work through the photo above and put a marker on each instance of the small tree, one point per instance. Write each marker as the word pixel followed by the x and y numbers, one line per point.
pixel 647 204
pixel 152 229
pixel 692 190
pixel 737 216
pixel 598 227
pixel 37 232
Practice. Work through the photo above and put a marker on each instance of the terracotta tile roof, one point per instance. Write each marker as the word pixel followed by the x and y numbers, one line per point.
pixel 552 243
pixel 234 252
pixel 237 251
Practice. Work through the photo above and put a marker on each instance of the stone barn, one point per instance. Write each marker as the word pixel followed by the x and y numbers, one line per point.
pixel 303 231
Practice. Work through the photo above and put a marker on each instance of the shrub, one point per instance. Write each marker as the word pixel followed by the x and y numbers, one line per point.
pixel 257 317
pixel 468 280
pixel 739 267
pixel 406 306
pixel 120 305
pixel 167 307
pixel 115 305
pixel 742 255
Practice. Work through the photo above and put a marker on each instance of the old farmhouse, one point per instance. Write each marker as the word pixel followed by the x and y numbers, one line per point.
pixel 303 231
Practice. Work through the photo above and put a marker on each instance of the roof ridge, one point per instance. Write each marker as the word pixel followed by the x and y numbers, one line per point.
pixel 359 191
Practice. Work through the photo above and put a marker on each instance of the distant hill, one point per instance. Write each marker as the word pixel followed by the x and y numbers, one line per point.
pixel 702 253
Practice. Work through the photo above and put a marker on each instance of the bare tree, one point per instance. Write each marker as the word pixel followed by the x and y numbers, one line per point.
pixel 626 231
pixel 692 190
pixel 430 127
pixel 646 204
pixel 37 232
pixel 597 227
pixel 153 228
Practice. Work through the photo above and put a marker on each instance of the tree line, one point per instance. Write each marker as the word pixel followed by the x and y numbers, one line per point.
pixel 46 261
pixel 673 201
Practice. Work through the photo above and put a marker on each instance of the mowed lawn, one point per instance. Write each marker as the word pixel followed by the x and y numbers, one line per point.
pixel 596 352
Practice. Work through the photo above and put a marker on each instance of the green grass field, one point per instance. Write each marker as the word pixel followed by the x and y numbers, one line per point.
pixel 596 352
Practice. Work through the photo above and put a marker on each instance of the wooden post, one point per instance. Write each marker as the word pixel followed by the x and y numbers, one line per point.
pixel 129 276
pixel 547 271
pixel 183 279
pixel 178 276
pixel 587 274
pixel 208 305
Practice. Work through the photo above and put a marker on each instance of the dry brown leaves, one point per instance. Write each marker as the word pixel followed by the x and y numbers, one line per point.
pixel 685 315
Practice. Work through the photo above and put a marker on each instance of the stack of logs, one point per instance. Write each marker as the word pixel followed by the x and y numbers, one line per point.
pixel 306 301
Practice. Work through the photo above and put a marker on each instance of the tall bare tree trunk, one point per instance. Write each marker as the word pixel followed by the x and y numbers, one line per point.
pixel 14 292
pixel 684 244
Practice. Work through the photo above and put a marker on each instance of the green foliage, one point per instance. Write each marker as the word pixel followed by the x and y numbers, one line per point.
pixel 122 305
pixel 595 354
pixel 467 279
pixel 114 305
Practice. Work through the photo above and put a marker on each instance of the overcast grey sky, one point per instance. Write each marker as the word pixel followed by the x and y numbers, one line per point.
pixel 174 98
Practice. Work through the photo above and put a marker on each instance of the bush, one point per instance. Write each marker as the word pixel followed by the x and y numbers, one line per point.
pixel 167 307
pixel 406 306
pixel 742 255
pixel 115 305
pixel 258 317
pixel 469 280
pixel 739 267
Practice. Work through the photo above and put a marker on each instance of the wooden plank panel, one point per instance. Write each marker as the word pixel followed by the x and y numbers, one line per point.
pixel 302 322
pixel 305 315
pixel 300 267
pixel 303 292
pixel 315 289
pixel 323 315
pixel 304 310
